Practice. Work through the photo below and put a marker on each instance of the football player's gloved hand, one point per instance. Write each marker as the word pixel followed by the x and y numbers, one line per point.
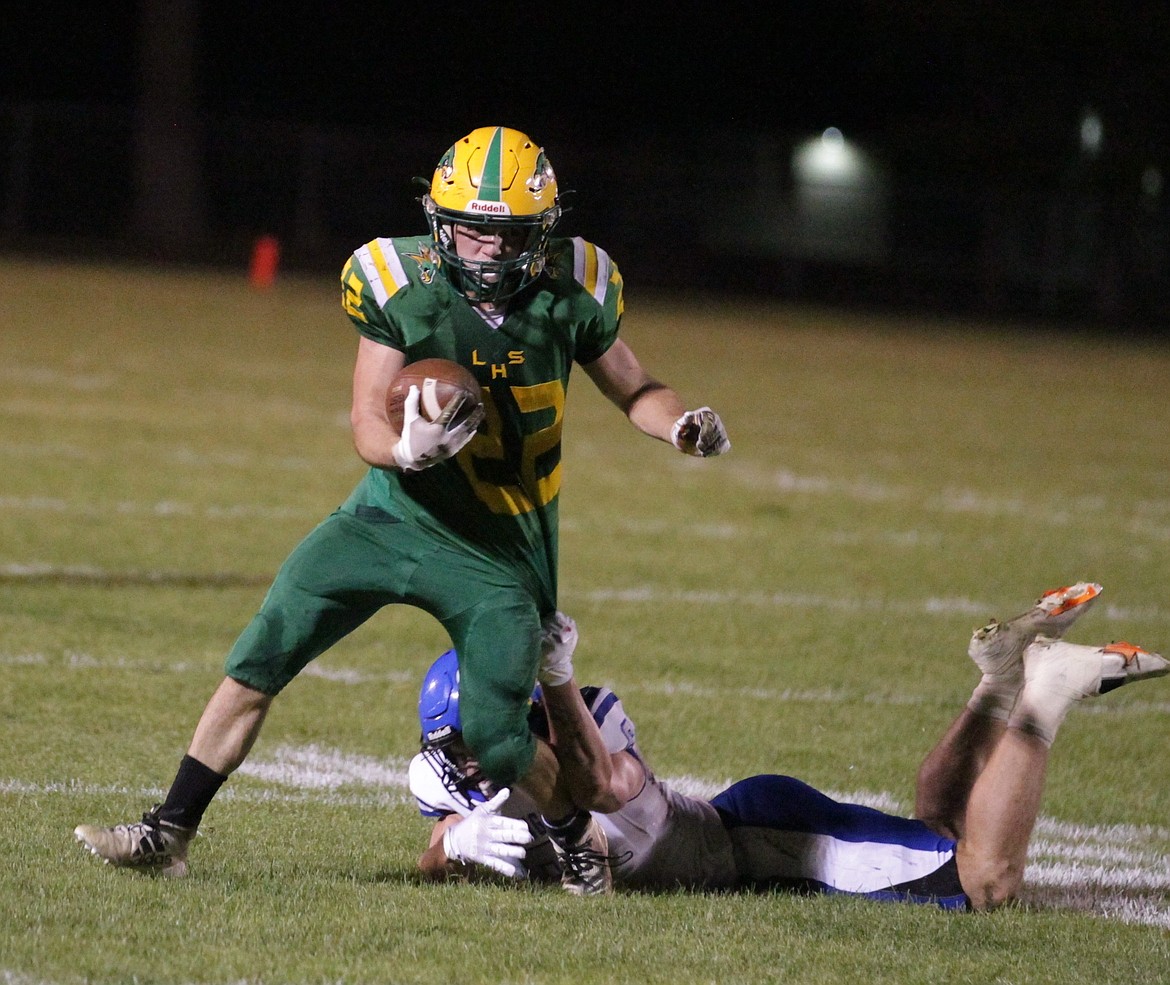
pixel 700 432
pixel 486 838
pixel 558 640
pixel 423 442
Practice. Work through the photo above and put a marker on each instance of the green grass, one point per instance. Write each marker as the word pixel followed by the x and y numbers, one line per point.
pixel 800 606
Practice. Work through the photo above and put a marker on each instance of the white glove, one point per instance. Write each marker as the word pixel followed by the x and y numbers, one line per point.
pixel 486 838
pixel 423 442
pixel 700 432
pixel 558 640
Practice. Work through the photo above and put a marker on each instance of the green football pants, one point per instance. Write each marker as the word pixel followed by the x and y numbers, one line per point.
pixel 351 566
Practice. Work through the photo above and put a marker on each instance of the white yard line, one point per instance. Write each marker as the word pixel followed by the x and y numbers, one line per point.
pixel 1060 511
pixel 1118 871
pixel 176 454
pixel 657 594
pixel 324 670
pixel 161 508
pixel 1144 519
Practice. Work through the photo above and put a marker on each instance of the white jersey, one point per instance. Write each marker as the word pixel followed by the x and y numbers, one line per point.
pixel 663 840
pixel 765 830
pixel 659 839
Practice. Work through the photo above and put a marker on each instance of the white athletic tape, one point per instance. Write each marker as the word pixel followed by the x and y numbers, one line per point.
pixel 312 767
pixel 77 660
pixel 429 399
pixel 1057 513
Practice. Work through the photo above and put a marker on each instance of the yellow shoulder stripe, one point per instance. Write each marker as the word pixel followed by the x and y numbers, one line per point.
pixel 591 268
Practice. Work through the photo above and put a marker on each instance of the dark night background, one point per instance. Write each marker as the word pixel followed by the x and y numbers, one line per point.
pixel 179 130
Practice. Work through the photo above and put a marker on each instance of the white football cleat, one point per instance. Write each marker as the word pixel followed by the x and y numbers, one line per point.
pixel 1124 662
pixel 151 845
pixel 998 647
pixel 585 861
pixel 1076 671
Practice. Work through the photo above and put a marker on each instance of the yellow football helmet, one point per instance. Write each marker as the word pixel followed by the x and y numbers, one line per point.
pixel 495 178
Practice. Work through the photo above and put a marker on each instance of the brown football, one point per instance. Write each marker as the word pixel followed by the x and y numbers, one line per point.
pixel 438 380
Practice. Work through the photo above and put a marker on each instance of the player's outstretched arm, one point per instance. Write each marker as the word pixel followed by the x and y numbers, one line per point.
pixel 595 779
pixel 653 407
pixel 582 758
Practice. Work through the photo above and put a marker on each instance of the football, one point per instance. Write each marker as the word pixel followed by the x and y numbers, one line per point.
pixel 438 380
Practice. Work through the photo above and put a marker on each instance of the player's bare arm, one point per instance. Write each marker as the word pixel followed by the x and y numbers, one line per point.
pixel 374 436
pixel 653 407
pixel 433 863
pixel 585 762
pixel 585 770
pixel 599 780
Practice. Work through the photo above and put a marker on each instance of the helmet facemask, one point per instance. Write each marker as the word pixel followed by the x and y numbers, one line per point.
pixel 450 764
pixel 489 281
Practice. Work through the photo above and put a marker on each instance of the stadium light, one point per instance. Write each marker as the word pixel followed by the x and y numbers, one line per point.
pixel 839 201
pixel 1092 133
pixel 828 159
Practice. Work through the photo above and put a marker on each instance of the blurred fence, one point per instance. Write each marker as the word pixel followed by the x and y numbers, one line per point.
pixel 720 214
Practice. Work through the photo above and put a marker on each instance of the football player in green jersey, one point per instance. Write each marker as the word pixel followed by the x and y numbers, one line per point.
pixel 457 517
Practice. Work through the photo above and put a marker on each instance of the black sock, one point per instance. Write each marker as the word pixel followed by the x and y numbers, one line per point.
pixel 191 792
pixel 569 828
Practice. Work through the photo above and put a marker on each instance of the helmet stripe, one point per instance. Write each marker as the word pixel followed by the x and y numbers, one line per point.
pixel 489 179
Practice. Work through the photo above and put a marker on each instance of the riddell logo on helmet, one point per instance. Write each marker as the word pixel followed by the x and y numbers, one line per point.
pixel 489 208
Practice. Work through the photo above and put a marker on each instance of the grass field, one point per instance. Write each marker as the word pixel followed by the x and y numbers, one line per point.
pixel 802 606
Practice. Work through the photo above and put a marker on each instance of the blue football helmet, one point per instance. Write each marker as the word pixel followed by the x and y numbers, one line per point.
pixel 442 726
pixel 438 717
pixel 438 702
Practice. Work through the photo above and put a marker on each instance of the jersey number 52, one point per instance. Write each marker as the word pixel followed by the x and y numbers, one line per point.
pixel 535 483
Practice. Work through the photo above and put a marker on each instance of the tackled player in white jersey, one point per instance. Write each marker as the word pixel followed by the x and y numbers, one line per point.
pixel 978 792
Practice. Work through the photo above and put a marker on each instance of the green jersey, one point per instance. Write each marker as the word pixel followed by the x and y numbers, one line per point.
pixel 498 496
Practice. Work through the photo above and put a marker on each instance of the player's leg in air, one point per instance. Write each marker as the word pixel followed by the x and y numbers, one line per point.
pixel 332 583
pixel 565 783
pixel 979 790
pixel 983 783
